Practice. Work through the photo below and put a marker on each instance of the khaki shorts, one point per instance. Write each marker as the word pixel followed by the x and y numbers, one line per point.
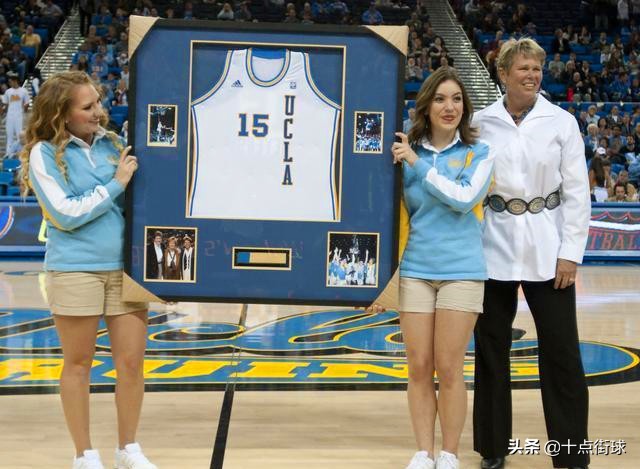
pixel 88 294
pixel 425 296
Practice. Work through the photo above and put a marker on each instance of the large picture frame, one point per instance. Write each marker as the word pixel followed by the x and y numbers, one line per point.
pixel 248 139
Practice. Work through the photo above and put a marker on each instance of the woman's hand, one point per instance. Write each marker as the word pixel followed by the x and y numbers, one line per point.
pixel 126 167
pixel 375 308
pixel 565 274
pixel 402 150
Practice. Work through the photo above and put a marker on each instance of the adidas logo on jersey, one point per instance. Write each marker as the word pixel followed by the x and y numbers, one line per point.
pixel 236 84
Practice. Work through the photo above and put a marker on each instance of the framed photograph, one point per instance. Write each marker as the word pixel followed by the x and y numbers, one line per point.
pixel 368 135
pixel 163 125
pixel 352 260
pixel 170 254
pixel 264 170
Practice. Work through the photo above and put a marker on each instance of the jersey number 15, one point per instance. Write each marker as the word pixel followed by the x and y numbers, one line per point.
pixel 259 126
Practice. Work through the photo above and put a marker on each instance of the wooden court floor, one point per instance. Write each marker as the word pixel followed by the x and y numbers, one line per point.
pixel 303 424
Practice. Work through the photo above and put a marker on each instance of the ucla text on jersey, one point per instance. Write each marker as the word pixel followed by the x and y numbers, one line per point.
pixel 265 142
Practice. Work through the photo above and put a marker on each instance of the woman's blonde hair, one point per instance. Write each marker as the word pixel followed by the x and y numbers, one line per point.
pixel 47 122
pixel 421 125
pixel 524 46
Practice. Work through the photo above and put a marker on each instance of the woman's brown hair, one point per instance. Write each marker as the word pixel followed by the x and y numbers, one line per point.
pixel 421 127
pixel 47 122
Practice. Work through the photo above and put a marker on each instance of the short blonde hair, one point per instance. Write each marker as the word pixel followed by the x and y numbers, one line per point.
pixel 524 46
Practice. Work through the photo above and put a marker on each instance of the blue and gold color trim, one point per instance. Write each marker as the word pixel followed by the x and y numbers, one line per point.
pixel 261 258
pixel 275 80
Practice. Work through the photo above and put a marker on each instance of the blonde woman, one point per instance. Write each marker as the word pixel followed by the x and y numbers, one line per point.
pixel 79 172
pixel 536 227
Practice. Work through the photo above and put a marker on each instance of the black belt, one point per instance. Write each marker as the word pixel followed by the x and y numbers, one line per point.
pixel 520 206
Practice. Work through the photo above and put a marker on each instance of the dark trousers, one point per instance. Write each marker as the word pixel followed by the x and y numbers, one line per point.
pixel 564 390
pixel 85 21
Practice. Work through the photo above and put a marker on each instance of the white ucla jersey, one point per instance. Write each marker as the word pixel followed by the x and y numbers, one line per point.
pixel 265 141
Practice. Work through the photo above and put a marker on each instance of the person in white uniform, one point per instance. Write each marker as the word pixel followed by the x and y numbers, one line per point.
pixel 188 258
pixel 537 222
pixel 16 102
pixel 271 154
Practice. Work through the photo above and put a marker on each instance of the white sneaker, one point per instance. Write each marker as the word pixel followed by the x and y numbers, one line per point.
pixel 131 457
pixel 90 459
pixel 421 460
pixel 447 461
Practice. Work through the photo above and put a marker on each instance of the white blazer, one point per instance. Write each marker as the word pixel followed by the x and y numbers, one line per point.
pixel 544 153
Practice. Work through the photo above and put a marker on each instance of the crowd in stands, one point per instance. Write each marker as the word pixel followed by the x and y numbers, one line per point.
pixel 592 61
pixel 592 70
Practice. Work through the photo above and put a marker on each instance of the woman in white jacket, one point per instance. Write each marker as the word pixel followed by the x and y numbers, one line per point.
pixel 536 227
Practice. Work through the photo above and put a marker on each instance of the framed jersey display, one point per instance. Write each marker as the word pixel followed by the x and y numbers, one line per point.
pixel 264 153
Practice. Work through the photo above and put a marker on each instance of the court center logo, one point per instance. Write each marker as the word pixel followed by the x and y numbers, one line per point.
pixel 344 349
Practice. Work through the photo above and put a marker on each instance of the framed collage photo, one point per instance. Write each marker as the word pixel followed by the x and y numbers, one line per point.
pixel 252 184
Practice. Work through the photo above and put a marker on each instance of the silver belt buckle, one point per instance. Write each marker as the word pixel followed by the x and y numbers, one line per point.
pixel 516 206
pixel 537 205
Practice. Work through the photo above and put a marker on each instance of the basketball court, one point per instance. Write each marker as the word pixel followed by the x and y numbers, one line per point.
pixel 288 387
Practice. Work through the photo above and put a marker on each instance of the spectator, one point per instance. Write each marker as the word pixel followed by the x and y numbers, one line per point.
pixel 244 13
pixel 338 9
pixel 86 9
pixel 15 102
pixel 124 74
pixel 52 15
pixel 31 39
pixel 569 69
pixel 591 140
pixel 320 11
pixel 187 11
pixel 601 12
pixel 620 88
pixel 616 141
pixel 291 16
pixel 436 52
pixel 556 67
pixel 584 38
pixel 620 194
pixel 408 122
pixel 83 64
pixel 226 13
pixel 585 70
pixel 623 178
pixel 578 87
pixel 92 38
pixel 372 16
pixel 17 61
pixel 123 43
pixel 83 50
pixel 412 71
pixel 625 125
pixel 429 37
pixel 601 42
pixel 414 22
pixel 614 118
pixel 623 13
pixel 99 66
pixel 603 129
pixel 14 150
pixel 592 117
pixel 120 94
pixel 597 179
pixel 560 43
